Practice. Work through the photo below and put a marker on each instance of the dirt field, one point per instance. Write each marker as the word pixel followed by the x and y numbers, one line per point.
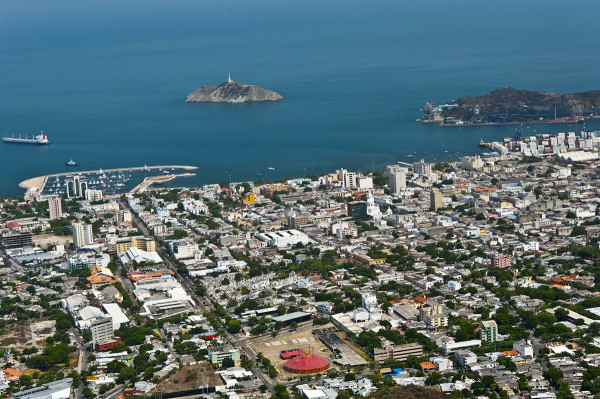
pixel 15 337
pixel 299 339
pixel 189 377
pixel 43 329
pixel 43 240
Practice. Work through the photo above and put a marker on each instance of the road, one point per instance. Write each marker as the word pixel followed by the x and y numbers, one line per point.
pixel 204 304
pixel 83 363
pixel 537 345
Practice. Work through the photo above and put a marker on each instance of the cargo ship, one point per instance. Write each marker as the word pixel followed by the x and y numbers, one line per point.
pixel 39 139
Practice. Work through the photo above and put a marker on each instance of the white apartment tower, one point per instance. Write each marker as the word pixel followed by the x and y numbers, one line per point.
pixel 348 179
pixel 55 207
pixel 82 234
pixel 93 195
pixel 422 168
pixel 397 178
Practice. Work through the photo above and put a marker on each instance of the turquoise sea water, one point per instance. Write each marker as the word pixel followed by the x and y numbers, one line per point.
pixel 107 81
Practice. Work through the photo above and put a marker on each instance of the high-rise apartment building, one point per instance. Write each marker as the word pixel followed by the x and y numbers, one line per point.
pixel 82 234
pixel 502 261
pixel 435 200
pixel 422 168
pixel 397 178
pixel 489 331
pixel 348 179
pixel 55 207
pixel 102 329
pixel 76 186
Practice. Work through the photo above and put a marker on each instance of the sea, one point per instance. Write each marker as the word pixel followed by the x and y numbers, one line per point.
pixel 107 81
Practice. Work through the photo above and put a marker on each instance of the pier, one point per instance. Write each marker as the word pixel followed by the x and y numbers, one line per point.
pixel 148 181
pixel 35 186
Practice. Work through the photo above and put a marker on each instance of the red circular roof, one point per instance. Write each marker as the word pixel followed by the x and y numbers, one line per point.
pixel 306 363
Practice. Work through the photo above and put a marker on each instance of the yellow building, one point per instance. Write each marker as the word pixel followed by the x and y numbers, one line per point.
pixel 122 244
pixel 296 221
pixel 269 189
pixel 249 199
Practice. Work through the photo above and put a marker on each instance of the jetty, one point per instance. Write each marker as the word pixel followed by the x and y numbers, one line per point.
pixel 150 180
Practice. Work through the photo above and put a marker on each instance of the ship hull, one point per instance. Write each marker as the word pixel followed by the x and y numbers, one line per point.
pixel 17 141
pixel 24 142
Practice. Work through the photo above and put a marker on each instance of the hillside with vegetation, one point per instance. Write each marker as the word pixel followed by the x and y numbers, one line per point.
pixel 508 104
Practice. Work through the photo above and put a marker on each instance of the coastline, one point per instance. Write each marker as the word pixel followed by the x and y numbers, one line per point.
pixel 469 124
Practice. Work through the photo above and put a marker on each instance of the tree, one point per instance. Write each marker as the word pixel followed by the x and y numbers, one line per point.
pixel 63 320
pixel 125 374
pixel 345 394
pixel 433 379
pixel 162 357
pixel 281 391
pixel 228 362
pixel 561 314
pixel 234 326
pixel 178 234
pixel 88 393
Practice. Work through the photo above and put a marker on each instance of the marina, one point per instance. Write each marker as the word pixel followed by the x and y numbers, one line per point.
pixel 111 181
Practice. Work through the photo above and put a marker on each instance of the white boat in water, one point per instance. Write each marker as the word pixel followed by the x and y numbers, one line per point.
pixel 39 139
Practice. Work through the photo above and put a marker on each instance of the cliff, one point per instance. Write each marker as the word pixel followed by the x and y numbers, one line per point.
pixel 233 92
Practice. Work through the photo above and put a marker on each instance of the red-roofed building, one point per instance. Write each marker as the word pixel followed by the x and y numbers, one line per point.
pixel 428 367
pixel 420 300
pixel 12 374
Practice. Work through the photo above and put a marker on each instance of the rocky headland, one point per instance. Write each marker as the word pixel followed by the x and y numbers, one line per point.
pixel 233 92
pixel 509 105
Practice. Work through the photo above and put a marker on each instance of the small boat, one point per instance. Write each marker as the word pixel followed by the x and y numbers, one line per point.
pixel 482 143
pixel 258 174
pixel 409 156
pixel 72 163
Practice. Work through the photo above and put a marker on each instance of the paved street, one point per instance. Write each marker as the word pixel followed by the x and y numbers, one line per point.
pixel 204 304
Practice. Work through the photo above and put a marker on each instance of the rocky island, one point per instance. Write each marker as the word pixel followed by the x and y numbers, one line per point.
pixel 511 106
pixel 233 92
